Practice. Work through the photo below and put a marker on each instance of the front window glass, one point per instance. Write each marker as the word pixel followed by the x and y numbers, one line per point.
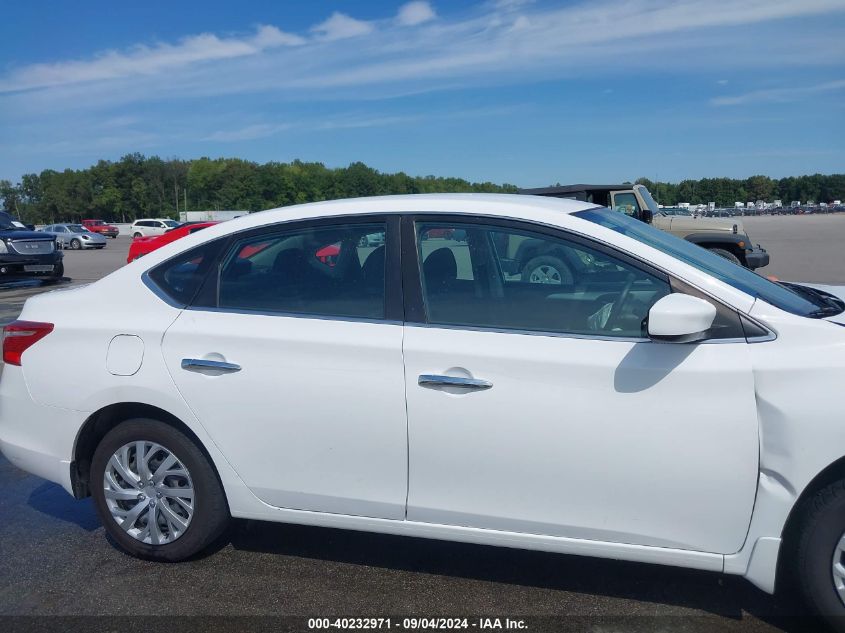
pixel 77 228
pixel 801 300
pixel 335 271
pixel 487 276
pixel 6 221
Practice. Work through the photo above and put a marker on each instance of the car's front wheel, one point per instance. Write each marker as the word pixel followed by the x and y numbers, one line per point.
pixel 546 269
pixel 75 244
pixel 721 252
pixel 820 554
pixel 156 492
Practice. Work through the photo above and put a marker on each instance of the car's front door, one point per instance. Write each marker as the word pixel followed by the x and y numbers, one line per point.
pixel 291 358
pixel 542 408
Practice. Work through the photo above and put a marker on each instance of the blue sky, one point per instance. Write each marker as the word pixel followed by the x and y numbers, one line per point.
pixel 526 92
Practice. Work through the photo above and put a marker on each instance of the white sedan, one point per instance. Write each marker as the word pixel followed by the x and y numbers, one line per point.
pixel 652 402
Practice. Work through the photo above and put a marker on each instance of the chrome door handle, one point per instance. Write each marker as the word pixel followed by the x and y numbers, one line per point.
pixel 453 381
pixel 193 364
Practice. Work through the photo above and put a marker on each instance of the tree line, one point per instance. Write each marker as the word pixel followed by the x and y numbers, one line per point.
pixel 726 191
pixel 138 186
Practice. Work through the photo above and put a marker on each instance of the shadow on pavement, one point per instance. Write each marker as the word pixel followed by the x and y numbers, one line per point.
pixel 725 596
pixel 51 499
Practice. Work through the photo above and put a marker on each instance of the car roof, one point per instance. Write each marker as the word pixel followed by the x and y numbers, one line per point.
pixel 497 204
pixel 427 203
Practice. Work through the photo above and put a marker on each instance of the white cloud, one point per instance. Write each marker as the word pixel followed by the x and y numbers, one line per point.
pixel 505 41
pixel 341 26
pixel 414 13
pixel 782 95
pixel 147 60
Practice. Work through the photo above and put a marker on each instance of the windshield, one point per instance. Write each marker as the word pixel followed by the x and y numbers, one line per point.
pixel 646 196
pixel 798 300
pixel 76 228
pixel 172 224
pixel 6 221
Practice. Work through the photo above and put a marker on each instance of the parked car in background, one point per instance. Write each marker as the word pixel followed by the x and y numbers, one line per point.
pixel 676 211
pixel 141 246
pixel 26 254
pixel 74 236
pixel 724 236
pixel 648 377
pixel 99 226
pixel 148 228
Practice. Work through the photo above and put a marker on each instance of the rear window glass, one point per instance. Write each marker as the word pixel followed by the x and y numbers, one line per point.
pixel 181 277
pixel 329 270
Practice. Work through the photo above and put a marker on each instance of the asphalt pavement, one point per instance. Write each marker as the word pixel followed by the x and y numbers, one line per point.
pixel 55 559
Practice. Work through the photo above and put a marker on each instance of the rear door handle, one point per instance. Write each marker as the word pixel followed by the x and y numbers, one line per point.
pixel 434 380
pixel 198 364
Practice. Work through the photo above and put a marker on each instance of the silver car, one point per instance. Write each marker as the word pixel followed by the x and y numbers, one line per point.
pixel 75 236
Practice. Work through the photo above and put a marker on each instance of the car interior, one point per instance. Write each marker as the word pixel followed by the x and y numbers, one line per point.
pixel 318 271
pixel 468 282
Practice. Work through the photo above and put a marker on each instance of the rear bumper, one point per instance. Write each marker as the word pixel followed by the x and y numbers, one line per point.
pixel 757 257
pixel 36 438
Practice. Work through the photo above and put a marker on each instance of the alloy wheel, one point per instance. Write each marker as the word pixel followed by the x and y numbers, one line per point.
pixel 545 274
pixel 838 568
pixel 149 492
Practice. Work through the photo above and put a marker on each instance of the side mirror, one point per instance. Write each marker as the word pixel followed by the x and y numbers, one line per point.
pixel 679 318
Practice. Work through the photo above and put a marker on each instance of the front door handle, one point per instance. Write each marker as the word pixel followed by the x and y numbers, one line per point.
pixel 199 364
pixel 433 380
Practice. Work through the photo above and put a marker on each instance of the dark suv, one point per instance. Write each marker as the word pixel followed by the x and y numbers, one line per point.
pixel 27 254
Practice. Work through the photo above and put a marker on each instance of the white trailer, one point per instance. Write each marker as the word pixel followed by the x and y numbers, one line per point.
pixel 209 216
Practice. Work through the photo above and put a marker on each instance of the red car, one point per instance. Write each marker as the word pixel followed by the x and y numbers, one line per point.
pixel 98 226
pixel 143 245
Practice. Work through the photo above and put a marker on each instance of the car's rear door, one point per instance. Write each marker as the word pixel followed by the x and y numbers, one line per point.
pixel 293 363
pixel 543 408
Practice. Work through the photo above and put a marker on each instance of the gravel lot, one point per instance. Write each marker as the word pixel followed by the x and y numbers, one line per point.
pixel 55 559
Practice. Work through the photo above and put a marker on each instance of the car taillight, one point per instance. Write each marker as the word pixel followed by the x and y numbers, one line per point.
pixel 19 336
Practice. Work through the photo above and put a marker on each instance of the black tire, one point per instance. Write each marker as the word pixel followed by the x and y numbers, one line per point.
pixel 59 271
pixel 134 235
pixel 548 267
pixel 721 252
pixel 211 512
pixel 822 526
pixel 75 244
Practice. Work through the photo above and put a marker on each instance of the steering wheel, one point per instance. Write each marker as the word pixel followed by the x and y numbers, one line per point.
pixel 616 308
